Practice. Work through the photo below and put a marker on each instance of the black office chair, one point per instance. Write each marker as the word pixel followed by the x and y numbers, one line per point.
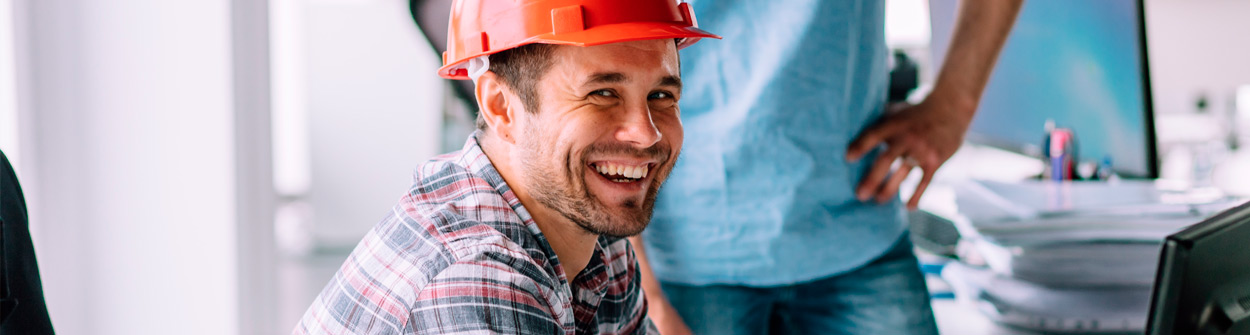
pixel 22 308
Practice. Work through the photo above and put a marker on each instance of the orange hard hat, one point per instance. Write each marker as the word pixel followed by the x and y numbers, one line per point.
pixel 484 27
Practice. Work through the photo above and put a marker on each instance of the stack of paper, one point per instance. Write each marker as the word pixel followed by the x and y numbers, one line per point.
pixel 1024 304
pixel 1093 264
pixel 1073 234
pixel 1063 256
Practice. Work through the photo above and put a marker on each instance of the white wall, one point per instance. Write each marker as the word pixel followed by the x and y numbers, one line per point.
pixel 130 104
pixel 357 107
pixel 1197 46
pixel 145 167
pixel 8 89
pixel 374 103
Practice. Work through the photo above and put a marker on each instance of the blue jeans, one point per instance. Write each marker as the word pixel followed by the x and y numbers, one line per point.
pixel 886 296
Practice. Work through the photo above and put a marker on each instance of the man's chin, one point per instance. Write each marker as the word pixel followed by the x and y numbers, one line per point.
pixel 619 229
pixel 620 221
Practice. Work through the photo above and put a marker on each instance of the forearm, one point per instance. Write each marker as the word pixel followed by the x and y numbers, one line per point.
pixel 650 285
pixel 659 309
pixel 981 31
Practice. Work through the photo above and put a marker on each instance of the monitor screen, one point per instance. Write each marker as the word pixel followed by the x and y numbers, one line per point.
pixel 1078 63
pixel 1203 283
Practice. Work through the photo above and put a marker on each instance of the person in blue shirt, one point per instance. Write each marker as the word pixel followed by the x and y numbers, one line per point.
pixel 782 214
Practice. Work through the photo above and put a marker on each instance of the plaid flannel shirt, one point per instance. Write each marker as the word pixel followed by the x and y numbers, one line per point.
pixel 459 254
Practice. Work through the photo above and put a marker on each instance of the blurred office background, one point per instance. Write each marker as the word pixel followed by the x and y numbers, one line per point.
pixel 203 167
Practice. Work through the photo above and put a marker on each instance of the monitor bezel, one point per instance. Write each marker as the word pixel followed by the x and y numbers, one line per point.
pixel 1152 145
pixel 1174 261
pixel 1162 317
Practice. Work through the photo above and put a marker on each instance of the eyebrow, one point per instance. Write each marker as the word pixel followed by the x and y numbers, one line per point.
pixel 674 81
pixel 617 77
pixel 605 78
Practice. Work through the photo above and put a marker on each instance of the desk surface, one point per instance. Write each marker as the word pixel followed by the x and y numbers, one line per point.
pixel 961 319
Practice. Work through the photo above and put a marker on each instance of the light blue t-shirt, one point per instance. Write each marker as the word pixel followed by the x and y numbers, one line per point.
pixel 762 194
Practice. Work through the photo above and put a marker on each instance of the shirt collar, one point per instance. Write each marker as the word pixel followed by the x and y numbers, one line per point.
pixel 475 160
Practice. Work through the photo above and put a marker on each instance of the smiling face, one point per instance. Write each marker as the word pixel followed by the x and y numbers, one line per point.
pixel 606 135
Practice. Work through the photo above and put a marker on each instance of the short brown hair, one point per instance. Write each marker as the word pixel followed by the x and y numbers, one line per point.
pixel 521 68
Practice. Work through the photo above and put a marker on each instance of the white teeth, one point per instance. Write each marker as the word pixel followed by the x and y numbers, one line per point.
pixel 633 172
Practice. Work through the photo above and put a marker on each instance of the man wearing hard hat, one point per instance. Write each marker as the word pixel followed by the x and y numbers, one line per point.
pixel 522 231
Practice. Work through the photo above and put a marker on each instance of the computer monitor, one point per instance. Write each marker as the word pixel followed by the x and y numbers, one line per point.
pixel 1203 283
pixel 1079 63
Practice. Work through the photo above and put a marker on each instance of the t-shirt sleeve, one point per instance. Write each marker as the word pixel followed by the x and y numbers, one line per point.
pixel 491 292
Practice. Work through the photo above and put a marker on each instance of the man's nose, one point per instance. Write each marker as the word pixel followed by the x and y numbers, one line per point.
pixel 637 127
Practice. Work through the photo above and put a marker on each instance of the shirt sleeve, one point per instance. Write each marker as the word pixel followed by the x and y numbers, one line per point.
pixel 489 293
pixel 362 297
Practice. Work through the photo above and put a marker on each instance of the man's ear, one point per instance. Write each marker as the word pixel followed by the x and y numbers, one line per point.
pixel 494 101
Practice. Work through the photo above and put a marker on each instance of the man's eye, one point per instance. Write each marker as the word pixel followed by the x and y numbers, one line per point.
pixel 660 95
pixel 603 93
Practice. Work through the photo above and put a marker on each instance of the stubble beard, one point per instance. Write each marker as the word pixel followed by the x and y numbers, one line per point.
pixel 564 190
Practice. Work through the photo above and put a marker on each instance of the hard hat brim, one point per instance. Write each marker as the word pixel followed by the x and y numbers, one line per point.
pixel 606 34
